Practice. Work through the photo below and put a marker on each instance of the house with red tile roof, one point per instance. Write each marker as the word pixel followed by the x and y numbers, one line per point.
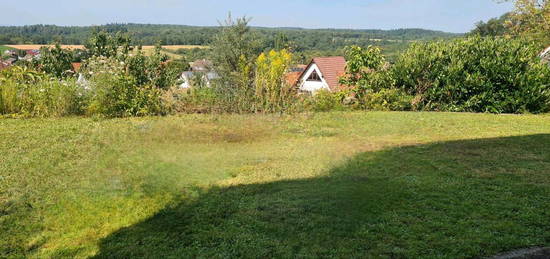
pixel 322 73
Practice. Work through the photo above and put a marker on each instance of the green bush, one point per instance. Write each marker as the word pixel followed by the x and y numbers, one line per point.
pixel 390 99
pixel 475 74
pixel 194 100
pixel 120 96
pixel 323 101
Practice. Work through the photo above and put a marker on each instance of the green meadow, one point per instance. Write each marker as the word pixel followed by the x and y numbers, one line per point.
pixel 338 184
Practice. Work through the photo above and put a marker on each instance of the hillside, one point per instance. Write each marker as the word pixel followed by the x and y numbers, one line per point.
pixel 302 40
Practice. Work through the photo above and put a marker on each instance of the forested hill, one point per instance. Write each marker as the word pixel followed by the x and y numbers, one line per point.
pixel 148 34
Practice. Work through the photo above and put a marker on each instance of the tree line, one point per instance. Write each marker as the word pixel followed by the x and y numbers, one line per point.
pixel 307 42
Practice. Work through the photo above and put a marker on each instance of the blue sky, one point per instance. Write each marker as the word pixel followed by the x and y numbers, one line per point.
pixel 446 15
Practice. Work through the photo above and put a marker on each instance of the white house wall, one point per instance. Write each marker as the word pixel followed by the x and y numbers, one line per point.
pixel 313 86
pixel 186 81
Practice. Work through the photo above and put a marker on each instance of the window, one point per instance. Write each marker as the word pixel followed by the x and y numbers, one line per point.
pixel 314 76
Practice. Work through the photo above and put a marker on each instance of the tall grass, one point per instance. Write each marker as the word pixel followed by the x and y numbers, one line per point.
pixel 31 94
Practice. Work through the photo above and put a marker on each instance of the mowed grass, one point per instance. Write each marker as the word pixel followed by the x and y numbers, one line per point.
pixel 349 184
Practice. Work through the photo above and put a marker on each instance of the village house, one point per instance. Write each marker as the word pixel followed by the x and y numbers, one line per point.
pixel 31 54
pixel 294 74
pixel 201 70
pixel 201 65
pixel 322 73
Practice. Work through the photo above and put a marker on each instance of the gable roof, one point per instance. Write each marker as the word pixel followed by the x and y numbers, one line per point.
pixel 332 69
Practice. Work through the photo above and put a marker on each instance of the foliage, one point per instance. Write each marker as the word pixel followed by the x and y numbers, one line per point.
pixel 387 99
pixel 178 65
pixel 531 18
pixel 305 43
pixel 31 93
pixel 118 96
pixel 493 27
pixel 117 93
pixel 366 70
pixel 324 101
pixel 194 53
pixel 150 34
pixel 369 78
pixel 475 75
pixel 102 43
pixel 198 99
pixel 273 93
pixel 55 61
pixel 152 69
pixel 234 51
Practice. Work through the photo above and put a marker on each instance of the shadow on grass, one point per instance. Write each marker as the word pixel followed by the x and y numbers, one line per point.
pixel 456 199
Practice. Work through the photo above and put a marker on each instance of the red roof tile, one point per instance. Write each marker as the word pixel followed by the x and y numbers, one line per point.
pixel 292 77
pixel 332 69
pixel 76 66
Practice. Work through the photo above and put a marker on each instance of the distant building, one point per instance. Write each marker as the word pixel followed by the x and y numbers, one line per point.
pixel 10 61
pixel 201 74
pixel 201 65
pixel 322 73
pixel 30 55
pixel 204 78
pixel 76 67
pixel 33 52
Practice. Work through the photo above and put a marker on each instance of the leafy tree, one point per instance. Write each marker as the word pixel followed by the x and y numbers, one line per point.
pixel 531 18
pixel 102 43
pixel 493 27
pixel 234 51
pixel 366 70
pixel 55 61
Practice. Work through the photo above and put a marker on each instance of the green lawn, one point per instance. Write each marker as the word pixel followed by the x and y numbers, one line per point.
pixel 350 184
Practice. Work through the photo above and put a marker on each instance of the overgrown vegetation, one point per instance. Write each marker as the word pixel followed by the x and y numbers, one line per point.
pixel 32 93
pixel 500 73
pixel 475 75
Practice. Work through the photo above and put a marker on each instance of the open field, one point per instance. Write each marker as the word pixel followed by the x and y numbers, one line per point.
pixel 342 184
pixel 4 48
pixel 37 46
pixel 146 49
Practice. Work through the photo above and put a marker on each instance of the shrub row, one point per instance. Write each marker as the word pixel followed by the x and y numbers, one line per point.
pixel 474 74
